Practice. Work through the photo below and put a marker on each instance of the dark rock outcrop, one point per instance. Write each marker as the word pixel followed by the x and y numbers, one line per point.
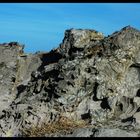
pixel 88 77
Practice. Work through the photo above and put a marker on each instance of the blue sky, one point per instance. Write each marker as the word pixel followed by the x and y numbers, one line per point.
pixel 41 26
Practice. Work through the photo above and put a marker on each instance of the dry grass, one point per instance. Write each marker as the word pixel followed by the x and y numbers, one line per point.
pixel 63 126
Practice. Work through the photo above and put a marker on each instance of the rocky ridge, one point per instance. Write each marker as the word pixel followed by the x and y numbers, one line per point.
pixel 89 77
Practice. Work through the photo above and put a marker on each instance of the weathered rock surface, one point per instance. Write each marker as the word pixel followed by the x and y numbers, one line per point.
pixel 88 77
pixel 102 132
pixel 9 54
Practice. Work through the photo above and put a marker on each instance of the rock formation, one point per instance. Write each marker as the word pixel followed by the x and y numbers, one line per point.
pixel 89 77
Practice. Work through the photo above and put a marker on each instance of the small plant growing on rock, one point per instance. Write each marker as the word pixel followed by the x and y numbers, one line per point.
pixel 63 126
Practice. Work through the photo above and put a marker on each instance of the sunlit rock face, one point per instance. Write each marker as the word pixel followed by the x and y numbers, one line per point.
pixel 9 54
pixel 88 77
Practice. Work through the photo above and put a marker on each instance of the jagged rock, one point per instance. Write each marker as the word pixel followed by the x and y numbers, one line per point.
pixel 9 54
pixel 114 133
pixel 88 77
pixel 98 132
pixel 76 40
pixel 101 132
pixel 81 132
pixel 137 117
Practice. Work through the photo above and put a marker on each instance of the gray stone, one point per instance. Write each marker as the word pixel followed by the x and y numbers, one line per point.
pixel 81 132
pixel 88 77
pixel 116 132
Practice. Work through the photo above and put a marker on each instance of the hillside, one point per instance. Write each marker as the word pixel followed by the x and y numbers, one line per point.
pixel 87 87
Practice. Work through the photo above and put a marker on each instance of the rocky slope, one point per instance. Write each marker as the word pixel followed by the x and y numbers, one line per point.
pixel 88 77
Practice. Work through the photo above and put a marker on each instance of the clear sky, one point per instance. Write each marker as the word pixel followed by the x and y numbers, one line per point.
pixel 41 26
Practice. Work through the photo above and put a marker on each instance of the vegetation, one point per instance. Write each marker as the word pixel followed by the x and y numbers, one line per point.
pixel 62 126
